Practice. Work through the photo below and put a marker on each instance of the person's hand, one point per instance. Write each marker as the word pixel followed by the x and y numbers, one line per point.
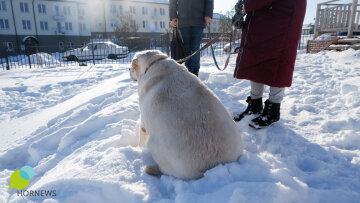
pixel 243 11
pixel 207 19
pixel 173 22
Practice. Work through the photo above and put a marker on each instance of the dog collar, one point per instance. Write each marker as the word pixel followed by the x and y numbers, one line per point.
pixel 157 59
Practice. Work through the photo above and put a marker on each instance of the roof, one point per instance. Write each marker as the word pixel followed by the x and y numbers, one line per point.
pixel 307 26
pixel 218 16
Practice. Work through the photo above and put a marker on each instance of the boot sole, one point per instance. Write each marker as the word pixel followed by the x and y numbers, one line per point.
pixel 259 127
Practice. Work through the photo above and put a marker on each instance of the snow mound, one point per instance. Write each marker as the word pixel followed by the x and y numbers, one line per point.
pixel 39 59
pixel 325 37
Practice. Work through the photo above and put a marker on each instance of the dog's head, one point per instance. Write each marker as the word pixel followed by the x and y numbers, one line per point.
pixel 141 62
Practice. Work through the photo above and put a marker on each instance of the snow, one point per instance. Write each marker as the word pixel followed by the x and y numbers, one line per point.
pixel 76 126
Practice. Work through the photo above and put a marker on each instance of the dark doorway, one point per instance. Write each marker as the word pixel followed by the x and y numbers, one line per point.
pixel 31 45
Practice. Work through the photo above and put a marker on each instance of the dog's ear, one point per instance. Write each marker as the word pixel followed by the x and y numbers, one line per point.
pixel 135 65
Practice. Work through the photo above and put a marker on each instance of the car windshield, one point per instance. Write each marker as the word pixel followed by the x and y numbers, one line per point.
pixel 90 46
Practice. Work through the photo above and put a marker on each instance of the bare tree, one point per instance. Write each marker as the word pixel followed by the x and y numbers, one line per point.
pixel 126 26
pixel 225 22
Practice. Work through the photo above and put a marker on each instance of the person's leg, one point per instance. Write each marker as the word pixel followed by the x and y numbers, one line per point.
pixel 271 112
pixel 186 35
pixel 196 37
pixel 276 94
pixel 254 101
pixel 257 90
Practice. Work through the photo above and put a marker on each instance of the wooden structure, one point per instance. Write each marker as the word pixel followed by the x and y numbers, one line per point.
pixel 332 17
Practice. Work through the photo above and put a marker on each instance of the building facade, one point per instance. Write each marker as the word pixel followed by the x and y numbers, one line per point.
pixel 64 24
pixel 151 17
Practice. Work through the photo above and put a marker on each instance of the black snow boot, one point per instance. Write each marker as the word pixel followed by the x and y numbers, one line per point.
pixel 270 115
pixel 255 106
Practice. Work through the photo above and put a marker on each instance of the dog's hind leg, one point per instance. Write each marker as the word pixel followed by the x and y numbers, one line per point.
pixel 143 136
pixel 153 170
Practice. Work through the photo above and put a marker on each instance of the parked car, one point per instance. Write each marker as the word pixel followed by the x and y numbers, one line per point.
pixel 96 50
pixel 235 47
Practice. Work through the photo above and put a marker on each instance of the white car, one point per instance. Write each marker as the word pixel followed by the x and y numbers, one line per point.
pixel 235 47
pixel 96 50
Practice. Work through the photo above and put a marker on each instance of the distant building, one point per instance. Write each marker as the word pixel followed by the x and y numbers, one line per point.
pixel 215 25
pixel 150 16
pixel 67 23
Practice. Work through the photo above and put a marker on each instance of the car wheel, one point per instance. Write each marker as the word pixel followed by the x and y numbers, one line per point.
pixel 112 56
pixel 236 50
pixel 72 58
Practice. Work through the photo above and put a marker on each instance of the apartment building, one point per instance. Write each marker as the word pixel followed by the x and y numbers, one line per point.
pixel 151 17
pixel 63 24
pixel 215 25
pixel 43 22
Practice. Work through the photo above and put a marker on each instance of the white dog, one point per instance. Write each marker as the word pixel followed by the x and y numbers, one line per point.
pixel 186 127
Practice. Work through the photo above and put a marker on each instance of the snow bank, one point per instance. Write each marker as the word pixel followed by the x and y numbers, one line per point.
pixel 76 127
pixel 325 37
pixel 40 59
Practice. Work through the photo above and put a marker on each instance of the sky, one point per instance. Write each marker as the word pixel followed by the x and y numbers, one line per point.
pixel 225 5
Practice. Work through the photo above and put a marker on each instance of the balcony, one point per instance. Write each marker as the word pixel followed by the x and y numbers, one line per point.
pixel 154 16
pixel 59 16
pixel 60 31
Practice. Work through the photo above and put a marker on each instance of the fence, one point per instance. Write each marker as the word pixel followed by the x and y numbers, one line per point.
pixel 334 17
pixel 104 52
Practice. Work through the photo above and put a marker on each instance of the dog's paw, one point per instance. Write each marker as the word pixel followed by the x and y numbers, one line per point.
pixel 153 170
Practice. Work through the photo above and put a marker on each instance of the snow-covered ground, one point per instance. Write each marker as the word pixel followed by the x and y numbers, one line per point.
pixel 76 127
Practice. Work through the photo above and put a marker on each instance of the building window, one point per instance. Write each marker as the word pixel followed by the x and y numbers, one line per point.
pixel 2 6
pixel 57 11
pixel 26 24
pixel 24 7
pixel 4 24
pixel 113 23
pixel 41 8
pixel 81 12
pixel 68 26
pixel 67 10
pixel 9 46
pixel 44 25
pixel 113 8
pixel 162 24
pixel 133 23
pixel 132 9
pixel 120 10
pixel 70 45
pixel 61 45
pixel 144 11
pixel 82 27
pixel 155 25
pixel 58 24
pixel 155 11
pixel 162 11
pixel 145 24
